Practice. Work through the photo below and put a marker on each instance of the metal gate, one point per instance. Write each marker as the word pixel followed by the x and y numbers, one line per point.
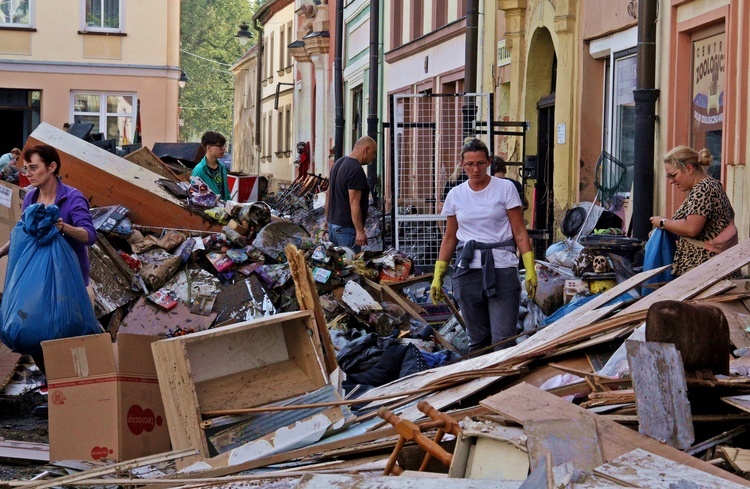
pixel 427 134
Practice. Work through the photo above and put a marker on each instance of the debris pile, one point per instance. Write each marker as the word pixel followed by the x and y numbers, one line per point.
pixel 281 358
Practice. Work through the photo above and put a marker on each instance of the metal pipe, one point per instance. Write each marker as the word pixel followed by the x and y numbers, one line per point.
pixel 258 92
pixel 372 103
pixel 645 96
pixel 338 83
pixel 471 47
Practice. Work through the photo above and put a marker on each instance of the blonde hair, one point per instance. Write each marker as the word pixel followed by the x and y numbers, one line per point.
pixel 682 156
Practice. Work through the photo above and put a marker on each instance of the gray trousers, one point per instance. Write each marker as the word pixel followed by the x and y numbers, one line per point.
pixel 488 319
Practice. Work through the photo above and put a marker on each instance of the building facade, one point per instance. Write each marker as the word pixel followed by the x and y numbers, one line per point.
pixel 115 64
pixel 245 158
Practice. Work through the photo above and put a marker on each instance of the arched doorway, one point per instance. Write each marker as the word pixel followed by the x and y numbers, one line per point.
pixel 539 106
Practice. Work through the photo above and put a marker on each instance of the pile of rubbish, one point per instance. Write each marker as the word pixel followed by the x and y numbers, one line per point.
pixel 248 349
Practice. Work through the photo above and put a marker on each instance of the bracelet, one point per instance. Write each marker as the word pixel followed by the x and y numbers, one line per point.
pixel 62 229
pixel 662 223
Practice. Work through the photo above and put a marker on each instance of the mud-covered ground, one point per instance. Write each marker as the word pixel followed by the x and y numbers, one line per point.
pixel 18 423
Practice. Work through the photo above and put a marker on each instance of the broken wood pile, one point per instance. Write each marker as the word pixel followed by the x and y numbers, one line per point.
pixel 275 359
pixel 585 402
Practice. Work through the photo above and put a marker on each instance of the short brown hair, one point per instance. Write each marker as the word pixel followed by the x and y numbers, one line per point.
pixel 16 152
pixel 213 138
pixel 498 165
pixel 46 153
pixel 472 145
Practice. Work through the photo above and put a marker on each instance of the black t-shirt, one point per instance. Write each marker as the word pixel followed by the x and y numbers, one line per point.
pixel 518 186
pixel 346 174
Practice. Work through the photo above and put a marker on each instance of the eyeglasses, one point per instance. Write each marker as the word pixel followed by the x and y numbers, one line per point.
pixel 222 146
pixel 26 170
pixel 670 176
pixel 478 164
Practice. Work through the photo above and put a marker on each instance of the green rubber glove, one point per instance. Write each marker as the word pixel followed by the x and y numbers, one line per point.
pixel 531 280
pixel 436 289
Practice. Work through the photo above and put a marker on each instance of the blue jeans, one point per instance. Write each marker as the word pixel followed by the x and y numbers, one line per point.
pixel 341 236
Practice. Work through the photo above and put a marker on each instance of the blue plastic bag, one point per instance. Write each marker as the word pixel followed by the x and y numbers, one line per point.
pixel 44 296
pixel 659 251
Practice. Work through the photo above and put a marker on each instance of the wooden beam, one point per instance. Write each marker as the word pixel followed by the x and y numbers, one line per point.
pixel 307 297
pixel 106 179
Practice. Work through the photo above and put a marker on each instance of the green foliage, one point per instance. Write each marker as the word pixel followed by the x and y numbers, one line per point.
pixel 207 30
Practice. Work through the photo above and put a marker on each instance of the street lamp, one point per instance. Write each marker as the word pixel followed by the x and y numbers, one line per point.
pixel 183 79
pixel 244 35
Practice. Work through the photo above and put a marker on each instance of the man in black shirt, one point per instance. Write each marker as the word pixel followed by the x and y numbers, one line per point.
pixel 348 196
pixel 499 169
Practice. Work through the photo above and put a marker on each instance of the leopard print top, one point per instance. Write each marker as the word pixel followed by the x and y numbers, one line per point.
pixel 707 198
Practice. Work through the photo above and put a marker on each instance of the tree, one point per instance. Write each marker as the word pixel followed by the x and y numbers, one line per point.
pixel 208 49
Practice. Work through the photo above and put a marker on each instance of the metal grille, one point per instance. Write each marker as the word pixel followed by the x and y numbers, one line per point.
pixel 429 132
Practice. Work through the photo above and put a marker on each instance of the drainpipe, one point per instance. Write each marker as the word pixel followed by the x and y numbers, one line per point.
pixel 470 69
pixel 645 96
pixel 372 103
pixel 258 91
pixel 338 82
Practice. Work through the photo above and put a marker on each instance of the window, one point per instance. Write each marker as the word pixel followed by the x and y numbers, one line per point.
pixel 270 59
pixel 707 98
pixel 417 18
pixel 623 121
pixel 280 134
pixel 282 48
pixel 439 14
pixel 15 13
pixel 356 114
pixel 289 39
pixel 102 15
pixel 288 130
pixel 397 19
pixel 112 114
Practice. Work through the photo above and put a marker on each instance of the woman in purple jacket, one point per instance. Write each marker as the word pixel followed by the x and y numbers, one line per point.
pixel 41 165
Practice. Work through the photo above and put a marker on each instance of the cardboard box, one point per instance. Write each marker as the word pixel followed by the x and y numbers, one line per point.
pixel 242 365
pixel 104 398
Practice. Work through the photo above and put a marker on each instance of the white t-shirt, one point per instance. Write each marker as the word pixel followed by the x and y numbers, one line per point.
pixel 482 216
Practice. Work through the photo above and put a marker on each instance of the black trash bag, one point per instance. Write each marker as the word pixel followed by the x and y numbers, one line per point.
pixel 385 370
pixel 362 353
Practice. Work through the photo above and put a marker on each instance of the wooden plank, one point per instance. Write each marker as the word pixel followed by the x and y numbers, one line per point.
pixel 24 450
pixel 524 402
pixel 565 440
pixel 698 279
pixel 740 402
pixel 392 296
pixel 307 297
pixel 738 458
pixel 146 158
pixel 8 363
pixel 540 343
pixel 106 179
pixel 333 481
pixel 643 469
pixel 661 392
pixel 716 289
pixel 738 319
pixel 109 469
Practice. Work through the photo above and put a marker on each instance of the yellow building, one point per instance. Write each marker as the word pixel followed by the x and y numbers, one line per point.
pixel 115 64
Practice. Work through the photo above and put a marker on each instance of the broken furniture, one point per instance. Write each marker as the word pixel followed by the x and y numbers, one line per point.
pixel 105 179
pixel 241 365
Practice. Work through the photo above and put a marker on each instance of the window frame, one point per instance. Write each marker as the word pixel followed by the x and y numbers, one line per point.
pixel 103 114
pixel 29 24
pixel 121 21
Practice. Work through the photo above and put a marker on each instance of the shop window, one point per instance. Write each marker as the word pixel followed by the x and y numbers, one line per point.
pixel 102 15
pixel 112 114
pixel 15 13
pixel 707 95
pixel 357 102
pixel 623 122
pixel 397 23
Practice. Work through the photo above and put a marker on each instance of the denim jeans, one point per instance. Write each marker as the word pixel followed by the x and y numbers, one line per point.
pixel 341 236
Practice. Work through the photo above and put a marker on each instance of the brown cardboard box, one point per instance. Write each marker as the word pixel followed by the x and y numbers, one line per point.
pixel 11 200
pixel 104 399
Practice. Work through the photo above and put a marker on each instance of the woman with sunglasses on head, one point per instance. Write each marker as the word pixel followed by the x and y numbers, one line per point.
pixel 210 169
pixel 704 222
pixel 485 226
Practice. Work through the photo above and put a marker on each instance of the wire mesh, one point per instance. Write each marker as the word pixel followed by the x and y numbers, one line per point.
pixel 429 132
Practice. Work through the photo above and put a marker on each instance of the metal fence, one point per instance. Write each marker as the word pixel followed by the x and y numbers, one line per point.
pixel 428 132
